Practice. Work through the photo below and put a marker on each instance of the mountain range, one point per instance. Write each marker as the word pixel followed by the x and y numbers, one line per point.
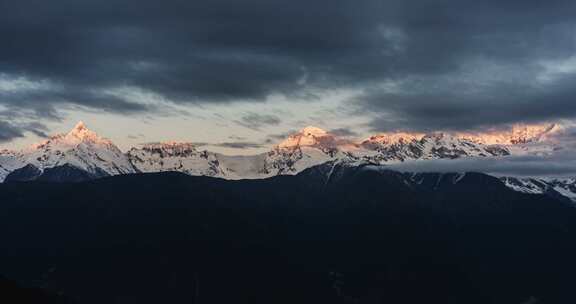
pixel 317 219
pixel 334 233
pixel 82 155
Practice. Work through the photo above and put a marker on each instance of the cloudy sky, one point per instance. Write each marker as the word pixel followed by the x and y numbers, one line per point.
pixel 242 73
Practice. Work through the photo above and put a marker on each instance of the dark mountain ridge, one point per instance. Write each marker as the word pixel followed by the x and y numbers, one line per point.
pixel 331 234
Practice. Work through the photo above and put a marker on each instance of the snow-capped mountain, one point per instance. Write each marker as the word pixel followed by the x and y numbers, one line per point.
pixel 9 161
pixel 80 148
pixel 404 146
pixel 517 135
pixel 536 139
pixel 173 156
pixel 313 146
pixel 563 187
pixel 337 172
pixel 442 145
pixel 83 151
pixel 309 147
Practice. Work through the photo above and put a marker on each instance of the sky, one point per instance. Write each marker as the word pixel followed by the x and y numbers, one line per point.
pixel 242 74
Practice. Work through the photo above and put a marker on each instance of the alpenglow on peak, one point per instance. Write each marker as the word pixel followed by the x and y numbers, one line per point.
pixel 313 131
pixel 308 136
pixel 82 133
pixel 80 126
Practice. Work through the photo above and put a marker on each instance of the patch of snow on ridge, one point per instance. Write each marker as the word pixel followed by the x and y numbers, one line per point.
pixel 394 138
pixel 9 161
pixel 176 157
pixel 458 177
pixel 563 186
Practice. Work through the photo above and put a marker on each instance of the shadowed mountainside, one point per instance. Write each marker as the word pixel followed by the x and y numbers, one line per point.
pixel 332 234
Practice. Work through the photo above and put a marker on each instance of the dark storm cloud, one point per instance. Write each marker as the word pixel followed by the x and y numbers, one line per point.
pixel 10 131
pixel 256 121
pixel 35 128
pixel 456 107
pixel 229 50
pixel 45 103
pixel 12 124
pixel 183 50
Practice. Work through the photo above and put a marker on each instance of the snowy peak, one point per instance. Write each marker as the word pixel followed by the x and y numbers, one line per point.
pixel 401 146
pixel 438 136
pixel 449 146
pixel 170 148
pixel 444 138
pixel 518 135
pixel 515 136
pixel 80 148
pixel 80 126
pixel 440 139
pixel 309 136
pixel 80 134
pixel 313 131
pixel 175 156
pixel 309 147
pixel 393 138
pixel 525 134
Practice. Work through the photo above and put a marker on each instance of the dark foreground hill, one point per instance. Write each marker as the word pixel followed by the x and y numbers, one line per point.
pixel 331 234
pixel 11 292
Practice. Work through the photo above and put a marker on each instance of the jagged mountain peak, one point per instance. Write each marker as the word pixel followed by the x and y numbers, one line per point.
pixel 169 145
pixel 394 147
pixel 80 134
pixel 524 134
pixel 313 131
pixel 441 136
pixel 81 148
pixel 309 136
pixel 80 126
pixel 166 149
pixel 517 135
pixel 449 140
pixel 309 147
pixel 407 138
pixel 175 156
pixel 394 138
